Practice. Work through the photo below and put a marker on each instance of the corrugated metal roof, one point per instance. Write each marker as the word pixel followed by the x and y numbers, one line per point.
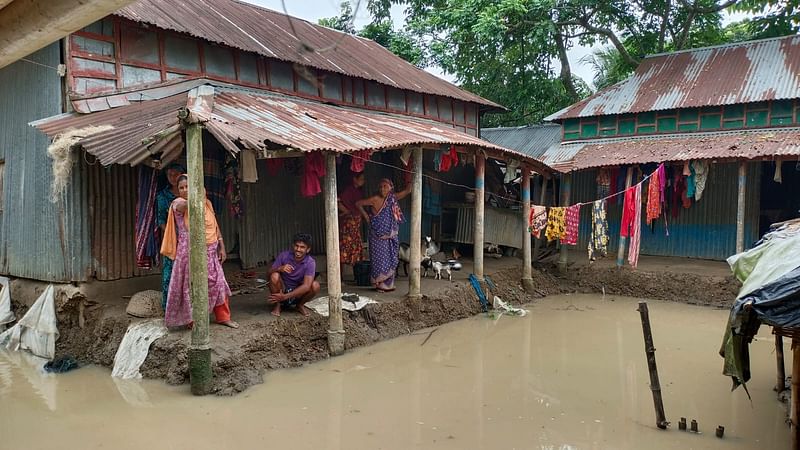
pixel 755 144
pixel 257 120
pixel 767 69
pixel 276 35
pixel 532 140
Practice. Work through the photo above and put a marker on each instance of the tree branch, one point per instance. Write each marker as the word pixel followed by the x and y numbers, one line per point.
pixel 706 10
pixel 566 73
pixel 630 59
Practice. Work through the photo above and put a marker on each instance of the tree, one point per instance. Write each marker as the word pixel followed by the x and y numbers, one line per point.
pixel 343 22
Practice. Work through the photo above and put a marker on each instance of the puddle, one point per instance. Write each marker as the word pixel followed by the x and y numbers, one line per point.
pixel 570 375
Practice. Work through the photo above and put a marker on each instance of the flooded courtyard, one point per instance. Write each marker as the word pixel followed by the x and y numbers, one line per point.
pixel 570 375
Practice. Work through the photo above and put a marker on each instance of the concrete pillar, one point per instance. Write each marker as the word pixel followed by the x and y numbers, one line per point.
pixel 335 327
pixel 740 206
pixel 566 193
pixel 622 240
pixel 542 199
pixel 200 347
pixel 480 202
pixel 415 250
pixel 527 275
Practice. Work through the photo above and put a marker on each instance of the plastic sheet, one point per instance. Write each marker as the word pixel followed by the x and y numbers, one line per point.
pixel 37 331
pixel 134 347
pixel 320 305
pixel 6 314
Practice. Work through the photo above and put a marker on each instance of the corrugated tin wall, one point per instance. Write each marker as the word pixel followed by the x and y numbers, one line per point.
pixel 707 230
pixel 274 212
pixel 39 239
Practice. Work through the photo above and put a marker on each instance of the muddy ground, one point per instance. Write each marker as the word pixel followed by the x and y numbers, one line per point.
pixel 241 356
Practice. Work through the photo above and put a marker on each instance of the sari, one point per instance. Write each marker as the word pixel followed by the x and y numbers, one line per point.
pixel 384 244
pixel 350 242
pixel 176 245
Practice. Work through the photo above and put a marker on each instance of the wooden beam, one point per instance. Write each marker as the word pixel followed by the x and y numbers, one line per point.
pixel 415 250
pixel 527 274
pixel 740 207
pixel 335 327
pixel 29 25
pixel 480 202
pixel 200 347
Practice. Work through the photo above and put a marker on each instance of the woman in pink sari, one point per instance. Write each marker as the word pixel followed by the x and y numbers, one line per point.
pixel 384 225
pixel 176 246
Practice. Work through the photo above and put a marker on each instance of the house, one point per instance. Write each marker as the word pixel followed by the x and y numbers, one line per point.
pixel 735 106
pixel 265 85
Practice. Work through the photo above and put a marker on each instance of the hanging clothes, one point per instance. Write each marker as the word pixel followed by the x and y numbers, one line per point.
pixel 678 193
pixel 598 241
pixel 654 196
pixel 778 175
pixel 572 219
pixel 248 171
pixel 313 169
pixel 274 166
pixel 233 189
pixel 437 161
pixel 358 160
pixel 537 220
pixel 701 169
pixel 632 222
pixel 448 159
pixel 511 171
pixel 146 243
pixel 603 181
pixel 405 155
pixel 690 181
pixel 214 177
pixel 556 223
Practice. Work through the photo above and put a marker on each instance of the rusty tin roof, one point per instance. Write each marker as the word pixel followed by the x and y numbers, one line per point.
pixel 275 35
pixel 754 71
pixel 253 119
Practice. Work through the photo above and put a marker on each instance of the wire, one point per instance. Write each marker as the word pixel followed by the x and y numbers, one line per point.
pixel 57 69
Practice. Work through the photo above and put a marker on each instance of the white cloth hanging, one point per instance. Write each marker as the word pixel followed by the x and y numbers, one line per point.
pixel 37 331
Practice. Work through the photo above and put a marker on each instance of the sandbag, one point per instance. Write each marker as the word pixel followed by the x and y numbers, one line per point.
pixel 37 331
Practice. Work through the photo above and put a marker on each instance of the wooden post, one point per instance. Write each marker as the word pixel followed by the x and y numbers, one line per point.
pixel 795 407
pixel 200 347
pixel 650 350
pixel 335 327
pixel 740 207
pixel 542 199
pixel 527 275
pixel 780 386
pixel 566 192
pixel 415 250
pixel 480 202
pixel 621 249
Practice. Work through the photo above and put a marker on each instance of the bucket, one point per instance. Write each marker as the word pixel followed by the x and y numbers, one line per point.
pixel 361 271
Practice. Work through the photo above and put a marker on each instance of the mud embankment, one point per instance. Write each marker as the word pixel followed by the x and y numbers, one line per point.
pixel 242 356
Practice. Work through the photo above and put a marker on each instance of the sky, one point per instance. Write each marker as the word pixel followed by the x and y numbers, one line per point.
pixel 313 10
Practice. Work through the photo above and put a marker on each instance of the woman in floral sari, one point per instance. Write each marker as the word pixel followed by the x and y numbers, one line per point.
pixel 176 246
pixel 384 225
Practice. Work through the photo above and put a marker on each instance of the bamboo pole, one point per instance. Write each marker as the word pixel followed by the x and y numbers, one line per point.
pixel 542 199
pixel 780 386
pixel 795 407
pixel 480 201
pixel 621 248
pixel 650 350
pixel 200 348
pixel 415 248
pixel 740 206
pixel 527 274
pixel 335 327
pixel 566 193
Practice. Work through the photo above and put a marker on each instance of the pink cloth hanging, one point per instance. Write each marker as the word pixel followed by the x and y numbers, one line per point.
pixel 572 218
pixel 636 226
pixel 358 160
pixel 313 169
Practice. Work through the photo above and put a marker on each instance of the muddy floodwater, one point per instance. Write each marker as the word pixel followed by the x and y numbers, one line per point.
pixel 571 375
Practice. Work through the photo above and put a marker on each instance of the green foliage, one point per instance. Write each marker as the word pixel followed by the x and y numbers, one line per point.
pixel 771 17
pixel 343 22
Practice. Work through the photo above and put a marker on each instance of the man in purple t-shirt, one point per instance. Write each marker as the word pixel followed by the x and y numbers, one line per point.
pixel 291 277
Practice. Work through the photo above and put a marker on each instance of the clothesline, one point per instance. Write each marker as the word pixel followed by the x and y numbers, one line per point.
pixel 513 200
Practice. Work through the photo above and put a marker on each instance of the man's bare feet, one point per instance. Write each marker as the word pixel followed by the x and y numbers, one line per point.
pixel 302 309
pixel 229 323
pixel 276 310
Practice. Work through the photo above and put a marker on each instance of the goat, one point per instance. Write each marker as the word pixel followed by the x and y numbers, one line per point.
pixel 403 257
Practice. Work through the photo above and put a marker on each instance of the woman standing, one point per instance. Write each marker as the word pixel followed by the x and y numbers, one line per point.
pixel 164 199
pixel 384 225
pixel 350 247
pixel 176 246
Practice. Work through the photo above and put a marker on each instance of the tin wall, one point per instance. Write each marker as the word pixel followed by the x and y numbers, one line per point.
pixel 39 239
pixel 706 230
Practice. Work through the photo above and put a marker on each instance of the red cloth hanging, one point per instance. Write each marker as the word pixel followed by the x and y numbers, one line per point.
pixel 274 166
pixel 628 211
pixel 313 169
pixel 358 160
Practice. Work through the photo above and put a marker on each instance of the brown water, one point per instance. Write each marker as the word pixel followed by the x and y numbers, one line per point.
pixel 572 375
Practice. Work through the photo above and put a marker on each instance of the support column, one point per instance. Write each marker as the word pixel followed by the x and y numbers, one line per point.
pixel 622 240
pixel 780 386
pixel 200 346
pixel 542 199
pixel 415 250
pixel 740 207
pixel 527 276
pixel 480 202
pixel 566 192
pixel 794 409
pixel 335 327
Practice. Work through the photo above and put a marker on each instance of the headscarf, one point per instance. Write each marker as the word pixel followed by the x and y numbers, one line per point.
pixel 169 244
